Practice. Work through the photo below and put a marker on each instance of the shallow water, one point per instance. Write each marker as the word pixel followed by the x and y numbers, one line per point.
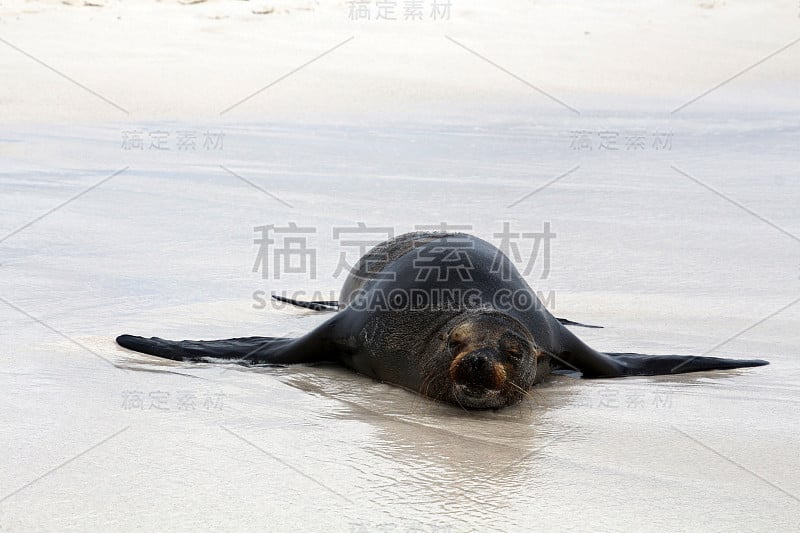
pixel 649 243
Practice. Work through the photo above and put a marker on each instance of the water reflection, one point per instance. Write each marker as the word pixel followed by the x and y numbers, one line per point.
pixel 426 455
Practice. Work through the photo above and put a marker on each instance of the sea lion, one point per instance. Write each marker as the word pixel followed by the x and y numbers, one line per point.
pixel 446 315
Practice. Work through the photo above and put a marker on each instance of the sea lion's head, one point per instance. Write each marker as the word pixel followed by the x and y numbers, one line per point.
pixel 491 360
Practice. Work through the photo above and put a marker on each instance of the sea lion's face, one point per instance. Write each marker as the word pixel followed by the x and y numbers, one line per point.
pixel 492 361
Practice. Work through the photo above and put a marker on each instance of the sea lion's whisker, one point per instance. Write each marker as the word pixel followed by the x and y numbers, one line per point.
pixel 460 405
pixel 523 391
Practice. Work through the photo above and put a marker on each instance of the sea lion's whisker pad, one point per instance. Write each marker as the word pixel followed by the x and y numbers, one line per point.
pixel 445 315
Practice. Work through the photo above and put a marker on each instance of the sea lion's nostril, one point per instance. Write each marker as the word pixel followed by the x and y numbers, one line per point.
pixel 478 363
pixel 475 369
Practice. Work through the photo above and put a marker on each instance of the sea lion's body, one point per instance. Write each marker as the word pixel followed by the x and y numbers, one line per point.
pixel 445 315
pixel 403 264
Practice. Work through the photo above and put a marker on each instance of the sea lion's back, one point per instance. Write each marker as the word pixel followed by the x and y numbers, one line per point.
pixel 372 264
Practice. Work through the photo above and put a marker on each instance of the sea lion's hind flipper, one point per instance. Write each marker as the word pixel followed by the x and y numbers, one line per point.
pixel 326 305
pixel 567 322
pixel 243 350
pixel 635 364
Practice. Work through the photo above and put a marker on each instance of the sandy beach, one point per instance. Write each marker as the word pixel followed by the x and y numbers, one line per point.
pixel 144 143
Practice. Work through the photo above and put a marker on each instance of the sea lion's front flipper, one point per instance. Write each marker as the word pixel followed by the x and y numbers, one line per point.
pixel 577 356
pixel 244 350
pixel 326 305
pixel 316 346
pixel 568 322
pixel 635 364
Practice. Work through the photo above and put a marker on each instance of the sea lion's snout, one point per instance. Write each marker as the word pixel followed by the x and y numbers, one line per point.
pixel 492 362
pixel 478 370
pixel 479 379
